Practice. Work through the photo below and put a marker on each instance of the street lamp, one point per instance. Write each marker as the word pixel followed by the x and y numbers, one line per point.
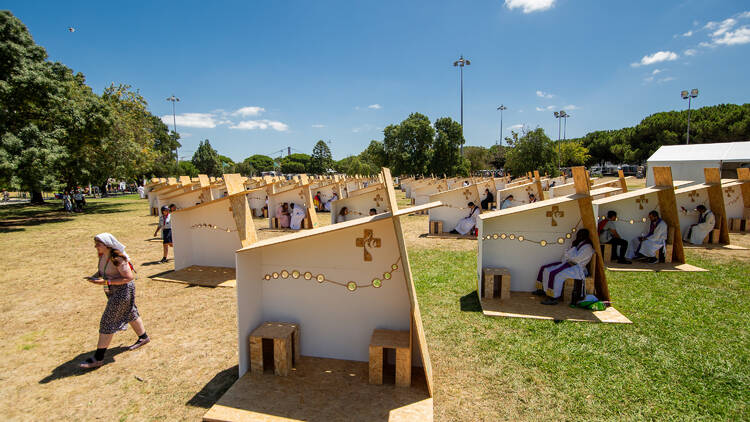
pixel 501 108
pixel 565 116
pixel 689 96
pixel 460 63
pixel 174 100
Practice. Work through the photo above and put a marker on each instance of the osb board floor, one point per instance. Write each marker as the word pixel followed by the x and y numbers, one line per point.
pixel 527 305
pixel 200 276
pixel 638 266
pixel 319 389
pixel 715 246
pixel 449 236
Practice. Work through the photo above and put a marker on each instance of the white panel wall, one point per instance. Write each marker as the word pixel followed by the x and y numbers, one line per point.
pixel 202 246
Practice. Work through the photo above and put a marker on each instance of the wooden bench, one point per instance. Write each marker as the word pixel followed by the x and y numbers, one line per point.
pixel 400 341
pixel 713 235
pixel 495 279
pixel 436 227
pixel 665 254
pixel 570 284
pixel 606 252
pixel 286 351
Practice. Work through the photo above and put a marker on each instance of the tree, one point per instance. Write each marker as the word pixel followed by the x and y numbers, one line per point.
pixel 408 145
pixel 206 159
pixel 572 153
pixel 446 156
pixel 321 159
pixel 478 157
pixel 260 162
pixel 227 164
pixel 534 150
pixel 302 163
pixel 186 168
pixel 374 156
pixel 245 168
pixel 497 156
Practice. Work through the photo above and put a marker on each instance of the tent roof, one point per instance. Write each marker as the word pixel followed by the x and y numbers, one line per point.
pixel 726 151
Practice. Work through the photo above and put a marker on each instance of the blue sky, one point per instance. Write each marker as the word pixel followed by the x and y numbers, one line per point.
pixel 256 77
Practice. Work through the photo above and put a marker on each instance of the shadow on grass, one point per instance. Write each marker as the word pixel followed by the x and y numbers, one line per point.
pixel 71 368
pixel 470 303
pixel 211 392
pixel 17 216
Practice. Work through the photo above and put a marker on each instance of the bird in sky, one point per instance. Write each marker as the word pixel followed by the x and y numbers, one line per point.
pixel 71 29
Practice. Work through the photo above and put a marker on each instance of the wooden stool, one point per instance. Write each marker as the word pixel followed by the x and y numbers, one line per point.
pixel 491 277
pixel 389 339
pixel 274 223
pixel 735 225
pixel 285 336
pixel 607 252
pixel 667 257
pixel 569 285
pixel 436 227
pixel 265 212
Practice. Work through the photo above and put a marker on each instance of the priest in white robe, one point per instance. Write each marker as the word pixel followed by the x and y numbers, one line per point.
pixel 466 224
pixel 297 216
pixel 696 233
pixel 649 244
pixel 551 278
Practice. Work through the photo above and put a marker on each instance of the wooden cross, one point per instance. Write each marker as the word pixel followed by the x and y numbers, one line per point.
pixel 367 240
pixel 641 200
pixel 378 199
pixel 301 195
pixel 555 212
pixel 692 195
pixel 467 194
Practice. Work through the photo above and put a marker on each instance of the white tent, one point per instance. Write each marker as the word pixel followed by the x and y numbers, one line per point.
pixel 688 161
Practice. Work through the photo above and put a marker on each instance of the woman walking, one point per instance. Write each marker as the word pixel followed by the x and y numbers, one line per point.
pixel 115 273
pixel 165 224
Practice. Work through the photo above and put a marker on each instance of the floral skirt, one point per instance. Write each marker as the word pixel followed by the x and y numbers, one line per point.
pixel 120 309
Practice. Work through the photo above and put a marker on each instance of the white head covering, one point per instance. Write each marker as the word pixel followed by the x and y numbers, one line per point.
pixel 111 242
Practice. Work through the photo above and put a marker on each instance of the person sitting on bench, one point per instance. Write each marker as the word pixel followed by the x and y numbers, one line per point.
pixel 298 214
pixel 466 224
pixel 551 277
pixel 327 204
pixel 342 215
pixel 373 211
pixel 488 198
pixel 608 235
pixel 706 222
pixel 507 202
pixel 282 215
pixel 648 245
pixel 532 198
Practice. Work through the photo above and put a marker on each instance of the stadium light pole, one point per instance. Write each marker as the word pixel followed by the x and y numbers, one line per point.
pixel 460 63
pixel 174 100
pixel 689 96
pixel 565 116
pixel 559 115
pixel 501 108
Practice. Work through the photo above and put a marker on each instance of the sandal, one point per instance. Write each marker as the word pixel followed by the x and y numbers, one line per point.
pixel 90 363
pixel 549 301
pixel 140 342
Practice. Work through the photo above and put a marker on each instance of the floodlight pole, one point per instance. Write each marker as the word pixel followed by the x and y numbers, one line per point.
pixel 501 108
pixel 460 63
pixel 689 96
pixel 174 100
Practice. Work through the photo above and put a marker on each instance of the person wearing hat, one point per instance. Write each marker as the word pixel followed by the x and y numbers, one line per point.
pixel 116 274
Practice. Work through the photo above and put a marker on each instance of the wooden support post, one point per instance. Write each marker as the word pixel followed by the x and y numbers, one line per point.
pixel 743 174
pixel 588 219
pixel 243 219
pixel 623 184
pixel 668 208
pixel 716 202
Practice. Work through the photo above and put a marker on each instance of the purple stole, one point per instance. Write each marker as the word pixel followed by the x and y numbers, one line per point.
pixel 556 271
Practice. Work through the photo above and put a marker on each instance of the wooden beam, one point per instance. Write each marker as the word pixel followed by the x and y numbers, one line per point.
pixel 311 214
pixel 233 182
pixel 581 180
pixel 623 183
pixel 588 219
pixel 744 175
pixel 203 180
pixel 185 180
pixel 243 219
pixel 668 208
pixel 716 201
pixel 390 191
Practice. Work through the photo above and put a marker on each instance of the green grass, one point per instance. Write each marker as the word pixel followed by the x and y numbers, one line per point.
pixel 684 357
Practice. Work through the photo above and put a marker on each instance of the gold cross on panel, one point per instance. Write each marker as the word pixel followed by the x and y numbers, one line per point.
pixel 467 194
pixel 378 199
pixel 367 240
pixel 641 200
pixel 555 212
pixel 692 195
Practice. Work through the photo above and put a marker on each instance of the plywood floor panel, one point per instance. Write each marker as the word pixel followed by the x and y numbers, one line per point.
pixel 201 276
pixel 527 305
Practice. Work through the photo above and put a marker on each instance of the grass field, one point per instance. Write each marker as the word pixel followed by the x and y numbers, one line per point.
pixel 685 357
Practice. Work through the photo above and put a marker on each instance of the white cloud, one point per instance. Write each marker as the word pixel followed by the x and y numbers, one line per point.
pixel 720 28
pixel 199 120
pixel 648 79
pixel 548 108
pixel 571 107
pixel 667 79
pixel 515 127
pixel 690 52
pixel 744 15
pixel 688 34
pixel 542 94
pixel 249 111
pixel 375 106
pixel 739 36
pixel 529 6
pixel 318 125
pixel 657 71
pixel 658 57
pixel 261 124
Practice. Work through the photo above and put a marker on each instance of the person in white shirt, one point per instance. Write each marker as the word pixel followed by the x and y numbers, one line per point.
pixel 327 205
pixel 466 224
pixel 551 277
pixel 696 233
pixel 297 216
pixel 648 245
pixel 608 235
pixel 507 202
